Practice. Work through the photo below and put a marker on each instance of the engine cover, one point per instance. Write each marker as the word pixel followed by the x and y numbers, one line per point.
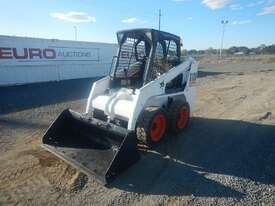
pixel 120 103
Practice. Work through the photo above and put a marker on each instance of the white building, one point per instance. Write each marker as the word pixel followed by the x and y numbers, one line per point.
pixel 29 60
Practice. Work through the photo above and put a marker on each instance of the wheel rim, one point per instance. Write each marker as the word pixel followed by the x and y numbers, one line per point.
pixel 183 117
pixel 158 127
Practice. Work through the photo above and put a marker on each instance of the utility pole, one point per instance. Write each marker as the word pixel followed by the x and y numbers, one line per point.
pixel 159 18
pixel 224 23
pixel 75 33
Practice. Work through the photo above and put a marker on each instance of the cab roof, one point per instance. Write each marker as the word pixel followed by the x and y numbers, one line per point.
pixel 152 35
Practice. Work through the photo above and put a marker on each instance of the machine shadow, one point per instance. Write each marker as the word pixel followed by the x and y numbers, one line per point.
pixel 21 97
pixel 22 124
pixel 227 147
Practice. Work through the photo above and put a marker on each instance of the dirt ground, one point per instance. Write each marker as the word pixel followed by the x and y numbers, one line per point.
pixel 225 157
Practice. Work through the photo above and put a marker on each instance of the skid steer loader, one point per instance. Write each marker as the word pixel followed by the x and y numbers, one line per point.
pixel 149 92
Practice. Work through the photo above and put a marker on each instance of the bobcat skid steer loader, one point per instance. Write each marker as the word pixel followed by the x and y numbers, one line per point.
pixel 149 92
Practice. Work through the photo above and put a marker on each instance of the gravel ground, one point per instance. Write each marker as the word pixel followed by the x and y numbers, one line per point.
pixel 225 157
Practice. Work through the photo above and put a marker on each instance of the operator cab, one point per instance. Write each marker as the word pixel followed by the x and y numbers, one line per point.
pixel 143 55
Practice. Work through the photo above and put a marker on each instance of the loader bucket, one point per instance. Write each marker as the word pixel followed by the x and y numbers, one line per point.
pixel 92 146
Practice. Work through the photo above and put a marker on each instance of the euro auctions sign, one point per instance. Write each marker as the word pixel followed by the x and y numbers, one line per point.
pixel 31 51
pixel 27 53
pixel 44 54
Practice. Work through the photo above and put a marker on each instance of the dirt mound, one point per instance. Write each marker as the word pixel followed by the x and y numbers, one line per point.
pixel 58 173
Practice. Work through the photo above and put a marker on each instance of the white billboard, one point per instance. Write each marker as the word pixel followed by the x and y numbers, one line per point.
pixel 28 60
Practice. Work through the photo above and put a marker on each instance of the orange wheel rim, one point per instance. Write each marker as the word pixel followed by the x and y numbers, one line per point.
pixel 183 117
pixel 158 127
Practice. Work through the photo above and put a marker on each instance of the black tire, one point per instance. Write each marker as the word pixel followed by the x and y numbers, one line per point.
pixel 145 125
pixel 174 115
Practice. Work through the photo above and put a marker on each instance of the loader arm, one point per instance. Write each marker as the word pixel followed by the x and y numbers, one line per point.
pixel 98 87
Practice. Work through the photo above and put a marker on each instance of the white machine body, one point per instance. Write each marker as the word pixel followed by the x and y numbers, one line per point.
pixel 126 104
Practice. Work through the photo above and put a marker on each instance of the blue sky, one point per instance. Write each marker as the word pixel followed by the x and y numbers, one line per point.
pixel 251 23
